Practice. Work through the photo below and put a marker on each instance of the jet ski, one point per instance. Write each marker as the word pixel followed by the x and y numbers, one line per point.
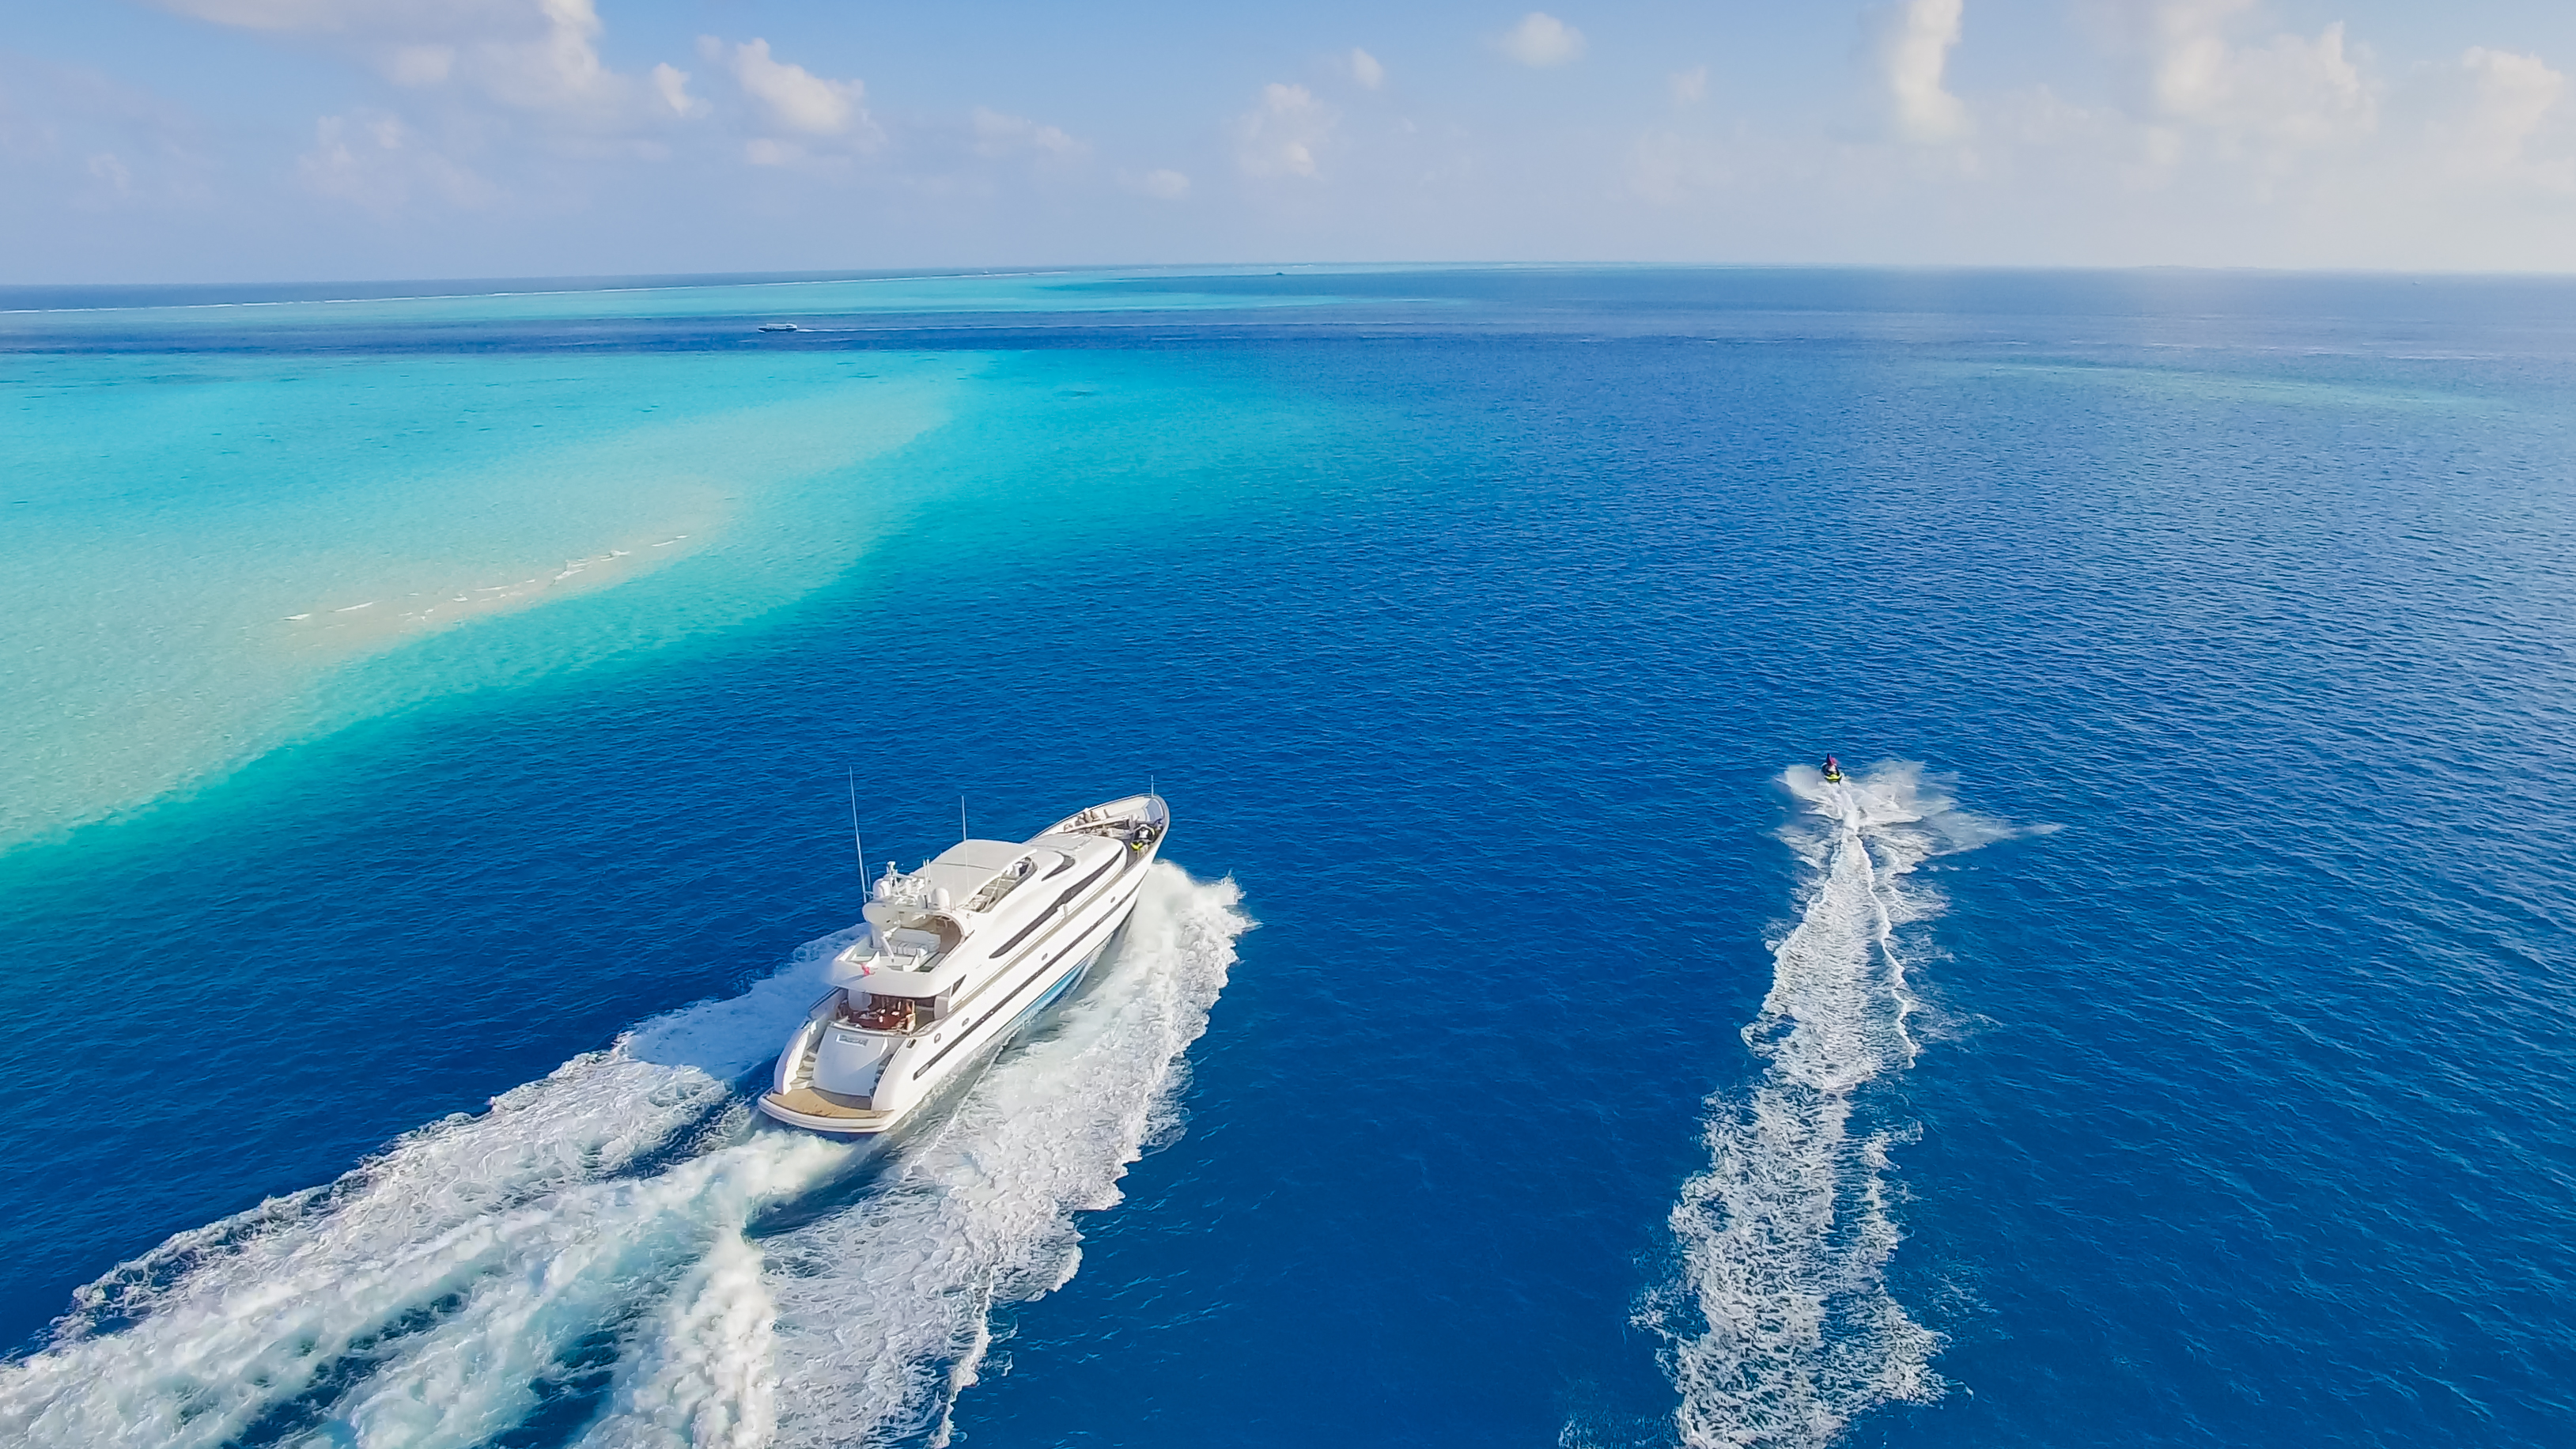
pixel 1833 771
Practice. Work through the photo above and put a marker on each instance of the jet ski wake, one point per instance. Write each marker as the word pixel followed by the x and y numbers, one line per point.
pixel 1777 1325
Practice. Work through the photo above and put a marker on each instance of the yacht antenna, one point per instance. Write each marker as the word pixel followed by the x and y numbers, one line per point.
pixel 961 820
pixel 858 847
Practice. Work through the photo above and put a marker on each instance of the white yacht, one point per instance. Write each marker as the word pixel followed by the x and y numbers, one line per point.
pixel 956 957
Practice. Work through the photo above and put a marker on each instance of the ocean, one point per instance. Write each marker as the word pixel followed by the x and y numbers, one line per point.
pixel 424 808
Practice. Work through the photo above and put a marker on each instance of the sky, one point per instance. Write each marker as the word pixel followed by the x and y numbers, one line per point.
pixel 306 140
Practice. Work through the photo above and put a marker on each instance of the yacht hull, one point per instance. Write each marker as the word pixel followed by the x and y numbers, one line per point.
pixel 929 1063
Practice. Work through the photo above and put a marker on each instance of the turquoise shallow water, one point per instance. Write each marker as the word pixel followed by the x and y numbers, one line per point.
pixel 2173 1055
pixel 206 542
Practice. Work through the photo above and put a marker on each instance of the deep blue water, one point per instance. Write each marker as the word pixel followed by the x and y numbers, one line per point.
pixel 1469 620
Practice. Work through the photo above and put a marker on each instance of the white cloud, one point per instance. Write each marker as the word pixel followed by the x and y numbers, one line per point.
pixel 2221 134
pixel 421 65
pixel 2279 95
pixel 1665 167
pixel 672 84
pixel 798 99
pixel 1542 40
pixel 1162 184
pixel 999 134
pixel 531 55
pixel 111 171
pixel 375 160
pixel 559 69
pixel 74 139
pixel 1915 38
pixel 1280 136
pixel 280 14
pixel 2237 141
pixel 2490 108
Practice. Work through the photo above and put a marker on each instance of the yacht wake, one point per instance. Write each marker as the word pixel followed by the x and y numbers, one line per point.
pixel 582 1252
pixel 1778 1327
pixel 885 1313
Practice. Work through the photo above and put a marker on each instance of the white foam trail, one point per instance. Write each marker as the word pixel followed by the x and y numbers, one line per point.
pixel 705 1376
pixel 559 1272
pixel 448 1267
pixel 1778 1326
pixel 426 1298
pixel 434 1297
pixel 884 1311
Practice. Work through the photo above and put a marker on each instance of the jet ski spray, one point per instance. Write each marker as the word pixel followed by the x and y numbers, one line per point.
pixel 1833 771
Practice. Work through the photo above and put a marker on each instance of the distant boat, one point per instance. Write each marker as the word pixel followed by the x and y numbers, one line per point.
pixel 780 327
pixel 957 957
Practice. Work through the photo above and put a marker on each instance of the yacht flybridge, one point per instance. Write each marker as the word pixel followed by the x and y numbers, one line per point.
pixel 956 957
